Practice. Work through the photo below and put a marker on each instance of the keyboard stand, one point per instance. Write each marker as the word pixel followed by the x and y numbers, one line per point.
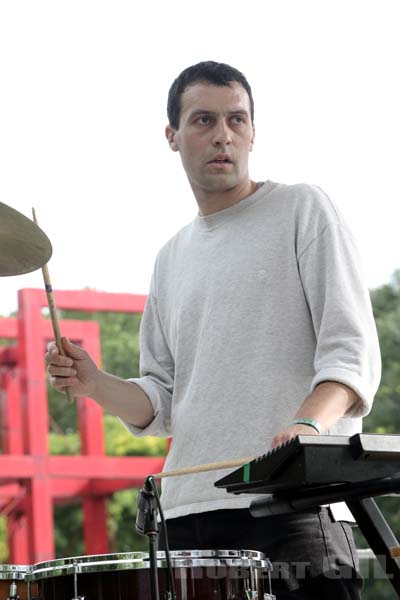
pixel 379 536
pixel 359 499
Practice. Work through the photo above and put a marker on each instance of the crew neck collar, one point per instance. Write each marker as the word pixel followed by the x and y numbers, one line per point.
pixel 211 221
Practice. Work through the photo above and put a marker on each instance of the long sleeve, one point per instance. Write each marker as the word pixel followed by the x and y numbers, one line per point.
pixel 156 370
pixel 347 348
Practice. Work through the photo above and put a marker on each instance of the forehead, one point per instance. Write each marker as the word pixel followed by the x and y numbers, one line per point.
pixel 214 98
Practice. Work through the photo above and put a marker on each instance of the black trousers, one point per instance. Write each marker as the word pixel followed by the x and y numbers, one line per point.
pixel 313 556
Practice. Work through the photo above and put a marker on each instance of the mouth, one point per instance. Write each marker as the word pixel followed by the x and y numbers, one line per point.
pixel 220 161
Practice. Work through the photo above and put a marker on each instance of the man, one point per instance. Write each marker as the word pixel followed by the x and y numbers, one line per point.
pixel 258 327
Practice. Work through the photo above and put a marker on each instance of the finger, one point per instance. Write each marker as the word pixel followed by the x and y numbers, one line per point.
pixel 59 383
pixel 73 350
pixel 51 353
pixel 53 358
pixel 59 371
pixel 279 439
pixel 51 346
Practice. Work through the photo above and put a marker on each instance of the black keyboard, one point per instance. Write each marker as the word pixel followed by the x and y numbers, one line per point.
pixel 311 460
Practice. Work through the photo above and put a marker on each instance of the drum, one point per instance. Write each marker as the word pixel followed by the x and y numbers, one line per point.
pixel 13 582
pixel 198 575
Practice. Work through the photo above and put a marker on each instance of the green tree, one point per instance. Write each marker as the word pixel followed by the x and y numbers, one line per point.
pixel 385 415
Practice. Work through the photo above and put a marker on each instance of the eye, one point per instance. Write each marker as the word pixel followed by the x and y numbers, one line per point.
pixel 238 119
pixel 203 120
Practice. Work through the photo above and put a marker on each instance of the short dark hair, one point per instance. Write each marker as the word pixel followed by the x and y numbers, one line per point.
pixel 209 72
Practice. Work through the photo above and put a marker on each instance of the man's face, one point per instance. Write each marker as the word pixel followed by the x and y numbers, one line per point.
pixel 215 136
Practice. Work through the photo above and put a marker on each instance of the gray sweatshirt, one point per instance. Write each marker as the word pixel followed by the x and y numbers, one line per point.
pixel 249 309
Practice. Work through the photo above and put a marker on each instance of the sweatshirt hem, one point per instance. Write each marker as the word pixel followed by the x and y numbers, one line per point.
pixel 339 510
pixel 199 507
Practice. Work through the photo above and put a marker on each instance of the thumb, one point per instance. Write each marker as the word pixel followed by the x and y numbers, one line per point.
pixel 72 350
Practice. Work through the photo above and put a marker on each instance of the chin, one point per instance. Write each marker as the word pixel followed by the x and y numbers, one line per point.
pixel 221 184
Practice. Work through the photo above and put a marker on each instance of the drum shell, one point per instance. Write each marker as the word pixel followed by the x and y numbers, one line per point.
pixel 197 576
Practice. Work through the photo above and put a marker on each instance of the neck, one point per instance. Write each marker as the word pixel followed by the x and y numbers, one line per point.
pixel 211 202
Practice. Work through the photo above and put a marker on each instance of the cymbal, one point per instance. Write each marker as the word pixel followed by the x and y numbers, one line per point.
pixel 24 247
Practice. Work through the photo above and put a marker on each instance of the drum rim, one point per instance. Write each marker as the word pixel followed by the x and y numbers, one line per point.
pixel 141 560
pixel 252 554
pixel 87 564
pixel 213 558
pixel 213 562
pixel 12 572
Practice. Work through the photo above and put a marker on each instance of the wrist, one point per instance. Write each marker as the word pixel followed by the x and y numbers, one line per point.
pixel 98 384
pixel 315 425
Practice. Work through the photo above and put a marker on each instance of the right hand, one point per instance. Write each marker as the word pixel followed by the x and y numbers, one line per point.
pixel 76 370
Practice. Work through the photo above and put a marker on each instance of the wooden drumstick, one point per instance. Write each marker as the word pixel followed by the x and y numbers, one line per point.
pixel 226 464
pixel 53 312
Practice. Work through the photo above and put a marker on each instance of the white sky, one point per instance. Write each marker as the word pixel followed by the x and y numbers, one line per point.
pixel 83 87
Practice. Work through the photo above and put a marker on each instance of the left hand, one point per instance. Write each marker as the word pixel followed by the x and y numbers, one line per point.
pixel 290 432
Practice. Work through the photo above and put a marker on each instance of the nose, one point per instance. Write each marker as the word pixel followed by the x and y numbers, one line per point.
pixel 222 134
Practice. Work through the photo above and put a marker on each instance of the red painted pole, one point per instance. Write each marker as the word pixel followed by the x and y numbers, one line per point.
pixel 35 410
pixel 18 537
pixel 90 418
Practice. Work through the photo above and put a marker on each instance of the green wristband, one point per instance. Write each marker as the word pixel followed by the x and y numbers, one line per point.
pixel 310 422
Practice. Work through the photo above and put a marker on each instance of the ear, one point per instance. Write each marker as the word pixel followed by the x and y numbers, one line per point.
pixel 252 139
pixel 170 135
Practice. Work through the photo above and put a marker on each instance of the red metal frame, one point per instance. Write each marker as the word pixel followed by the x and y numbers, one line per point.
pixel 31 480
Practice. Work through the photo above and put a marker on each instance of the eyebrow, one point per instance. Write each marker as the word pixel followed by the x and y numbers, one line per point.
pixel 210 112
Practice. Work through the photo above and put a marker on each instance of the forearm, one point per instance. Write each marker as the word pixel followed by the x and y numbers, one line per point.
pixel 123 399
pixel 328 402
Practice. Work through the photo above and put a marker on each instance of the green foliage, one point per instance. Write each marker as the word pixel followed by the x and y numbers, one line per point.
pixel 385 416
pixel 120 442
pixel 66 444
pixel 376 584
pixel 6 342
pixel 121 523
pixel 62 415
pixel 3 540
pixel 120 343
pixel 68 530
pixel 385 299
